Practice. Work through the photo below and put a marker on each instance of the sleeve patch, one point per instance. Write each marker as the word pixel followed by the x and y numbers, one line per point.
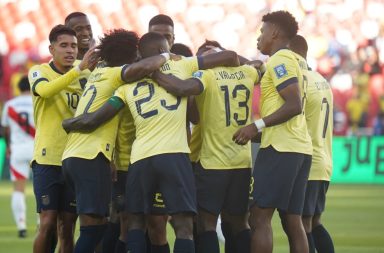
pixel 197 74
pixel 280 71
pixel 36 74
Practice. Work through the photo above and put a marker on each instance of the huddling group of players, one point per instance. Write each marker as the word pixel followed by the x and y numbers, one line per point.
pixel 127 104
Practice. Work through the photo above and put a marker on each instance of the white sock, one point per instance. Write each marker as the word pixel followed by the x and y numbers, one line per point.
pixel 19 209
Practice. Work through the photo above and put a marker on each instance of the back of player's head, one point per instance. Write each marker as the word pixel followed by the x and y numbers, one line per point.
pixel 74 15
pixel 118 47
pixel 152 44
pixel 24 84
pixel 161 19
pixel 284 20
pixel 299 45
pixel 60 30
pixel 207 45
pixel 181 49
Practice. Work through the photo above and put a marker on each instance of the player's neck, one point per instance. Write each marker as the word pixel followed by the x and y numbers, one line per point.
pixel 280 44
pixel 60 68
pixel 81 52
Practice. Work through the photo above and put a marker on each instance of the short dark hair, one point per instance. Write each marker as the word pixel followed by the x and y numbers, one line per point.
pixel 204 48
pixel 284 20
pixel 161 19
pixel 60 30
pixel 118 47
pixel 148 42
pixel 181 49
pixel 299 45
pixel 74 15
pixel 24 84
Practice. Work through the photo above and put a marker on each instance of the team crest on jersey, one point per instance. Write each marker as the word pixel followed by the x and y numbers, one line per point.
pixel 198 74
pixel 280 71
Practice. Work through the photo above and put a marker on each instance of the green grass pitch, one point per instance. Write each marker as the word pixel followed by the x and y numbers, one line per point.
pixel 354 216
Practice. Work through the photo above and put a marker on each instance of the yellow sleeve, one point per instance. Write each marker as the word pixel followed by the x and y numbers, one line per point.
pixel 192 63
pixel 204 76
pixel 120 93
pixel 117 76
pixel 283 71
pixel 41 86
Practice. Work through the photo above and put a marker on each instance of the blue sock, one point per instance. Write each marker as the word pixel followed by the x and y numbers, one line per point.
pixel 311 243
pixel 160 248
pixel 120 247
pixel 90 236
pixel 136 242
pixel 111 236
pixel 184 246
pixel 322 239
pixel 243 241
pixel 229 238
pixel 208 242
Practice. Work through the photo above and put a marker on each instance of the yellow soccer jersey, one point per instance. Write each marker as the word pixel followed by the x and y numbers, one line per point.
pixel 224 107
pixel 100 86
pixel 291 136
pixel 195 143
pixel 159 117
pixel 124 140
pixel 319 117
pixel 55 98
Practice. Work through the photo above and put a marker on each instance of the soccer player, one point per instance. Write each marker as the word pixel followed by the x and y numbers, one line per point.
pixel 19 128
pixel 163 24
pixel 223 171
pixel 79 22
pixel 158 161
pixel 283 161
pixel 319 117
pixel 181 49
pixel 56 90
pixel 86 159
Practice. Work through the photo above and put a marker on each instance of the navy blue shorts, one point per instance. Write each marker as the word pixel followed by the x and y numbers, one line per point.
pixel 170 174
pixel 51 191
pixel 118 191
pixel 92 183
pixel 222 190
pixel 315 197
pixel 280 180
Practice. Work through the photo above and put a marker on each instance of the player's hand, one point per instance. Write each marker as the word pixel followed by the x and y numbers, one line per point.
pixel 66 124
pixel 257 64
pixel 91 58
pixel 113 172
pixel 174 57
pixel 244 134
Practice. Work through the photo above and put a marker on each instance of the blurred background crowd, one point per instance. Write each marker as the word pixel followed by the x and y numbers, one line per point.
pixel 346 41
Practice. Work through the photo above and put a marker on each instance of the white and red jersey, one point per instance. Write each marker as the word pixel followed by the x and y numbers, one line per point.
pixel 18 116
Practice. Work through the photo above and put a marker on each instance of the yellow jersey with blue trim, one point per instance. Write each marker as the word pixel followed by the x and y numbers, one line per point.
pixel 55 97
pixel 224 107
pixel 101 84
pixel 159 117
pixel 319 117
pixel 124 140
pixel 283 69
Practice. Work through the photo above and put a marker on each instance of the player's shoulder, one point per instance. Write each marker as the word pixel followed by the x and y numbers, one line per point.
pixel 38 71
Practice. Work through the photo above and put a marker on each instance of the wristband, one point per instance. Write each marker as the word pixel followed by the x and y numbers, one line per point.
pixel 166 55
pixel 77 69
pixel 260 124
pixel 216 49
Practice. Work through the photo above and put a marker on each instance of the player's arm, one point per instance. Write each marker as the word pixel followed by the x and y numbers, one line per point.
pixel 292 106
pixel 224 58
pixel 176 86
pixel 88 122
pixel 138 70
pixel 44 88
pixel 193 115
